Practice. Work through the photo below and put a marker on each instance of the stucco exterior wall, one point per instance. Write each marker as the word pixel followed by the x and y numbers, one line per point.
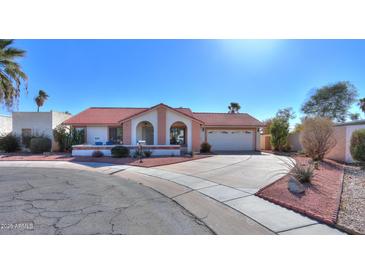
pixel 38 122
pixel 349 131
pixel 294 141
pixel 58 118
pixel 161 123
pixel 151 117
pixel 127 137
pixel 196 136
pixel 258 140
pixel 96 134
pixel 172 117
pixel 338 152
pixel 5 124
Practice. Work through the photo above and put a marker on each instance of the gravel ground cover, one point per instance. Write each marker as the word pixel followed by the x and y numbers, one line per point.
pixel 352 209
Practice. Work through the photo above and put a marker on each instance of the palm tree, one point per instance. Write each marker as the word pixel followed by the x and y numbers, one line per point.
pixel 41 98
pixel 11 74
pixel 362 104
pixel 234 107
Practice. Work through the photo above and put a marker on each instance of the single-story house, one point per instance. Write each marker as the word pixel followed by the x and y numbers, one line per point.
pixel 38 123
pixel 5 124
pixel 165 130
pixel 343 132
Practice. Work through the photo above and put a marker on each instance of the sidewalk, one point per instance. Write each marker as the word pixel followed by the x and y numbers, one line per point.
pixel 225 210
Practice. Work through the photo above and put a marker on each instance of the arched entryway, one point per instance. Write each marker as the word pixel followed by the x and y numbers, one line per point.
pixel 178 134
pixel 145 132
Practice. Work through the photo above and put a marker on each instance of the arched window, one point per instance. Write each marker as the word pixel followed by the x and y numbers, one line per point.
pixel 178 134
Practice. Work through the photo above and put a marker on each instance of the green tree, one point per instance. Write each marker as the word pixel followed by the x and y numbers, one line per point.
pixel 234 107
pixel 362 104
pixel 279 130
pixel 331 101
pixel 41 98
pixel 11 74
pixel 286 114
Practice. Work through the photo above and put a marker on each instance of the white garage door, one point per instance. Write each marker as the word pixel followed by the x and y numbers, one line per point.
pixel 231 140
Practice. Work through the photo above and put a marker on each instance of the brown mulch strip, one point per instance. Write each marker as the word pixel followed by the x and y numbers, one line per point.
pixel 320 200
pixel 147 162
pixel 351 216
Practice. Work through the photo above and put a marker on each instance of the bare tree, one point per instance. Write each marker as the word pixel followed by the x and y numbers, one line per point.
pixel 317 137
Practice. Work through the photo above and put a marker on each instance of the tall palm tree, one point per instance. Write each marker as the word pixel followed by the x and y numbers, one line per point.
pixel 234 107
pixel 11 74
pixel 41 98
pixel 362 104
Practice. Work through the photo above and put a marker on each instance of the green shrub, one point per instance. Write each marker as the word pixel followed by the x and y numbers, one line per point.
pixel 97 154
pixel 26 139
pixel 40 145
pixel 120 151
pixel 357 147
pixel 205 147
pixel 147 153
pixel 9 143
pixel 67 137
pixel 279 130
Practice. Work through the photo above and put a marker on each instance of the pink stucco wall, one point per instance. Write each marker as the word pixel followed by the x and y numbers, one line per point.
pixel 195 136
pixel 127 132
pixel 161 123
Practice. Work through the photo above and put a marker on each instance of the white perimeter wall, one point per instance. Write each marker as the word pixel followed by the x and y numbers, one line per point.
pixel 96 134
pixel 151 117
pixel 5 124
pixel 172 117
pixel 349 130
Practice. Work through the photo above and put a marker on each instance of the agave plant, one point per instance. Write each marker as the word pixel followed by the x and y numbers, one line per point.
pixel 302 173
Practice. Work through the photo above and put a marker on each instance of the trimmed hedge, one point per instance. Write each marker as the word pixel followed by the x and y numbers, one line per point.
pixel 40 145
pixel 120 151
pixel 9 143
pixel 205 147
pixel 357 147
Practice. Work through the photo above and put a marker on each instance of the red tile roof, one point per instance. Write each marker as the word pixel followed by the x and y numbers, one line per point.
pixel 102 116
pixel 114 116
pixel 227 119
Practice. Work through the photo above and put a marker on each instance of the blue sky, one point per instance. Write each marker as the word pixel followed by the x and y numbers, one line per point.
pixel 205 75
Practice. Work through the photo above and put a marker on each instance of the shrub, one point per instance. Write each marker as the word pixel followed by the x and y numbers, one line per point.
pixel 279 130
pixel 9 143
pixel 147 153
pixel 40 145
pixel 67 137
pixel 97 154
pixel 357 147
pixel 302 173
pixel 120 151
pixel 317 137
pixel 205 147
pixel 26 139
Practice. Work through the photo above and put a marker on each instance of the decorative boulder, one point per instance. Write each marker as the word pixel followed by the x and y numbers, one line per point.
pixel 295 186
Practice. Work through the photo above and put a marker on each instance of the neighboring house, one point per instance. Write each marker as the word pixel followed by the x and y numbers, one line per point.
pixel 38 123
pixel 5 124
pixel 342 135
pixel 165 130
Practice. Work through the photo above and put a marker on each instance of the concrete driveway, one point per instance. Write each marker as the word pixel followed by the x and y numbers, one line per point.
pixel 73 201
pixel 247 172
